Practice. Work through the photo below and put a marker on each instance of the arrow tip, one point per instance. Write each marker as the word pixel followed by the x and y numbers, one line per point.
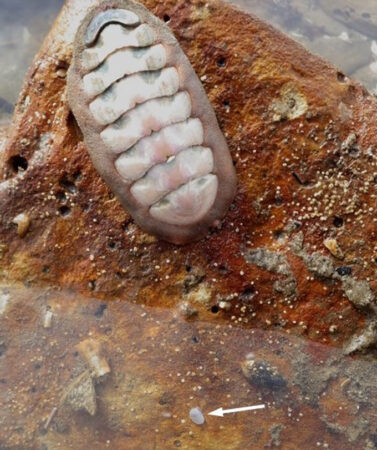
pixel 217 412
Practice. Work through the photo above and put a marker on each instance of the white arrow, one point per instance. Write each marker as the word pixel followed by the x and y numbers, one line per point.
pixel 220 412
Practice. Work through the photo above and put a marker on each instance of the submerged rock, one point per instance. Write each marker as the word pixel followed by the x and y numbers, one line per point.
pixel 360 16
pixel 158 369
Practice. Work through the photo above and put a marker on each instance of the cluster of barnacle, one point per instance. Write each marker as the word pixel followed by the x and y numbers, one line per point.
pixel 339 192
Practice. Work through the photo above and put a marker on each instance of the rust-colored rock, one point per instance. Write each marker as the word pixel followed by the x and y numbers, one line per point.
pixel 303 141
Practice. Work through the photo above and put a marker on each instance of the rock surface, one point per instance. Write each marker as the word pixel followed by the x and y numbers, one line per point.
pixel 303 141
pixel 162 369
pixel 23 26
pixel 342 31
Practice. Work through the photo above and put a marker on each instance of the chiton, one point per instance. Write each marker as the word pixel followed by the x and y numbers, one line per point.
pixel 147 123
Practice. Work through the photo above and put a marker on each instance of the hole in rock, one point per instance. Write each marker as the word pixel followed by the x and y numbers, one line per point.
pixel 18 163
pixel 60 196
pixel 221 61
pixel 338 222
pixel 223 269
pixel 248 293
pixel 278 201
pixel 341 77
pixel 77 175
pixel 214 309
pixel 67 184
pixel 64 211
pixel 126 224
pixel 344 271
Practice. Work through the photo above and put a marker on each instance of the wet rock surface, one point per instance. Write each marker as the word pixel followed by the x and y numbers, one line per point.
pixel 341 31
pixel 163 383
pixel 23 26
pixel 304 179
pixel 139 331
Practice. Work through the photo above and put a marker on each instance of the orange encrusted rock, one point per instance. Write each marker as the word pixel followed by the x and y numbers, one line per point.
pixel 110 336
pixel 302 138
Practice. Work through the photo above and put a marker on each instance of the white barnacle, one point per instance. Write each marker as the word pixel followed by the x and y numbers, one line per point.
pixel 47 319
pixel 23 224
pixel 91 352
pixel 4 301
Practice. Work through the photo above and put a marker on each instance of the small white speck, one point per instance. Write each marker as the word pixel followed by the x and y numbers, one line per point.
pixel 4 299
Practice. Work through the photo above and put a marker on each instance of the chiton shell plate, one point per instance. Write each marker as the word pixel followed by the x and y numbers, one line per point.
pixel 147 123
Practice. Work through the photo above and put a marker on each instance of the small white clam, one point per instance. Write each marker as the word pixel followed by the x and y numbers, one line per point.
pixel 197 416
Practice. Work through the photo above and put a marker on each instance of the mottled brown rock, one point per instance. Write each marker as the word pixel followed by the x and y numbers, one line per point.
pixel 303 141
pixel 285 114
pixel 164 366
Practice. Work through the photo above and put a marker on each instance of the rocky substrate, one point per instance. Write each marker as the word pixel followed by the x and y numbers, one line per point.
pixel 296 253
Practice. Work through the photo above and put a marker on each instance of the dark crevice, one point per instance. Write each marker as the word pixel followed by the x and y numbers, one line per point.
pixel 221 62
pixel 338 222
pixel 68 184
pixel 18 163
pixel 64 211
